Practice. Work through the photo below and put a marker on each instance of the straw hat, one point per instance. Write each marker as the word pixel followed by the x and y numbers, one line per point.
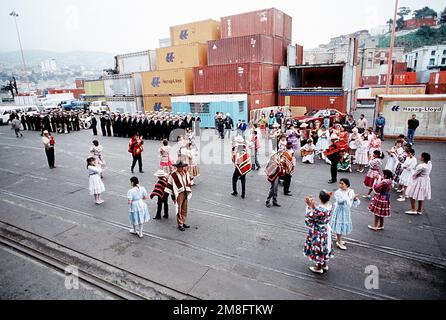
pixel 304 125
pixel 276 125
pixel 334 136
pixel 239 140
pixel 160 173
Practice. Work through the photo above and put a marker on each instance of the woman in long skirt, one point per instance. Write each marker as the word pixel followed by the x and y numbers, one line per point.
pixel 138 211
pixel 406 179
pixel 323 141
pixel 165 158
pixel 380 205
pixel 420 189
pixel 318 247
pixel 374 172
pixel 96 186
pixel 341 222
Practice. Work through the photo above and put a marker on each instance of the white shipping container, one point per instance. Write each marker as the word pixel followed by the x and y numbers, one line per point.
pixel 125 104
pixel 164 43
pixel 136 62
pixel 25 100
pixel 59 97
pixel 119 85
pixel 291 55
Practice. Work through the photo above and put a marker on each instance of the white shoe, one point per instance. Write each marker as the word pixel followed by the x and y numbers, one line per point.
pixel 341 246
pixel 401 199
pixel 373 228
pixel 410 212
pixel 140 235
pixel 315 270
pixel 132 231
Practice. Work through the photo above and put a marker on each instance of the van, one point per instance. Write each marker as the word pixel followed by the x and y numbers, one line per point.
pixel 98 106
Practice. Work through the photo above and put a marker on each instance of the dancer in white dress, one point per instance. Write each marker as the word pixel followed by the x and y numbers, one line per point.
pixel 362 153
pixel 96 186
pixel 96 151
pixel 394 153
pixel 323 141
pixel 406 179
pixel 308 151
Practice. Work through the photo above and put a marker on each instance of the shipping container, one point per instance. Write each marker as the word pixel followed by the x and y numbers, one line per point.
pixel 208 105
pixel 424 76
pixel 300 54
pixel 270 22
pixel 429 109
pixel 234 78
pixel 314 99
pixel 383 79
pixel 136 61
pixel 414 89
pixel 400 67
pixel 183 56
pixel 256 49
pixel 437 77
pixel 164 42
pixel 25 100
pixel 119 85
pixel 312 76
pixel 279 51
pixel 79 83
pixel 261 100
pixel 125 104
pixel 411 78
pixel 371 80
pixel 291 56
pixel 399 79
pixel 157 103
pixel 94 87
pixel 173 82
pixel 436 88
pixel 195 32
pixel 76 92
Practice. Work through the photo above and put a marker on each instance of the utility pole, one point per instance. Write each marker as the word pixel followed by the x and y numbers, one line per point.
pixel 15 15
pixel 392 43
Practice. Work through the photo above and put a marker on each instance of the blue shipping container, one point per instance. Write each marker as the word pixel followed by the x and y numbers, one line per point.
pixel 208 105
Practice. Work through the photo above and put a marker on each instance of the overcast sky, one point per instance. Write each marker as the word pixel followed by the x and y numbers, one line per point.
pixel 131 25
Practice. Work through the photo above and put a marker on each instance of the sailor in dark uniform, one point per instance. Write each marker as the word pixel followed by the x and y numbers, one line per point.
pixel 108 125
pixel 94 123
pixel 102 120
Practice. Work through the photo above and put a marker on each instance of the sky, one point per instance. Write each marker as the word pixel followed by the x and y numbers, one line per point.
pixel 132 25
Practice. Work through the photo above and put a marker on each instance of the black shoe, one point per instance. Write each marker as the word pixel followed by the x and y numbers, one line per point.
pixel 235 194
pixel 140 171
pixel 332 181
pixel 166 217
pixel 186 226
pixel 275 204
pixel 157 218
pixel 181 228
pixel 243 196
pixel 268 205
pixel 132 171
pixel 288 194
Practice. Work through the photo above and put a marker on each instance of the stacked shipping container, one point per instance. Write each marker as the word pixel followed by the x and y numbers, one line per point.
pixel 437 83
pixel 174 75
pixel 247 58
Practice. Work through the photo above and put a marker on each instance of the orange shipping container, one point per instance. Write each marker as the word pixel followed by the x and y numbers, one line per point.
pixel 157 103
pixel 200 31
pixel 184 56
pixel 174 82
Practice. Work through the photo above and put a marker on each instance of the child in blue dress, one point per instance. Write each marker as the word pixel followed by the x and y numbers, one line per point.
pixel 341 221
pixel 138 211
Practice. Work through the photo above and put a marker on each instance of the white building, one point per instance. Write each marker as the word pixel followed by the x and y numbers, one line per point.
pixel 48 66
pixel 426 58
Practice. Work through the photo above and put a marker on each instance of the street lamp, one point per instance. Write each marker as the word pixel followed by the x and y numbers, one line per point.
pixel 15 15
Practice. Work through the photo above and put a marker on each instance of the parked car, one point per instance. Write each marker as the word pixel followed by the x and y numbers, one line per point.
pixel 312 116
pixel 98 106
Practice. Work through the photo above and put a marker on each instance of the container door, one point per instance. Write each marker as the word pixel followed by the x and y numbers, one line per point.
pixel 284 78
pixel 291 55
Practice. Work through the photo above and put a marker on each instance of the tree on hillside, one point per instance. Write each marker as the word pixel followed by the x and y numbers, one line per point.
pixel 424 12
pixel 390 24
pixel 402 12
pixel 426 32
pixel 443 17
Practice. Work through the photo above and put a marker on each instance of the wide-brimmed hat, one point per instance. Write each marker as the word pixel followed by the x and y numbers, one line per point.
pixel 334 136
pixel 276 125
pixel 304 125
pixel 160 173
pixel 179 164
pixel 239 140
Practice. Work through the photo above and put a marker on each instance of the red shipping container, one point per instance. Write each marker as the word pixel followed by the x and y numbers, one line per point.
pixel 399 79
pixel 270 22
pixel 400 67
pixel 300 54
pixel 370 80
pixel 411 77
pixel 234 78
pixel 437 77
pixel 318 101
pixel 436 88
pixel 79 83
pixel 76 92
pixel 261 100
pixel 257 48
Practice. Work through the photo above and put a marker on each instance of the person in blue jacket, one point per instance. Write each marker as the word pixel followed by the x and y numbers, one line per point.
pixel 380 123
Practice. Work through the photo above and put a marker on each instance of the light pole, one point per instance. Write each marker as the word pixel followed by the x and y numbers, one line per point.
pixel 15 15
pixel 392 43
